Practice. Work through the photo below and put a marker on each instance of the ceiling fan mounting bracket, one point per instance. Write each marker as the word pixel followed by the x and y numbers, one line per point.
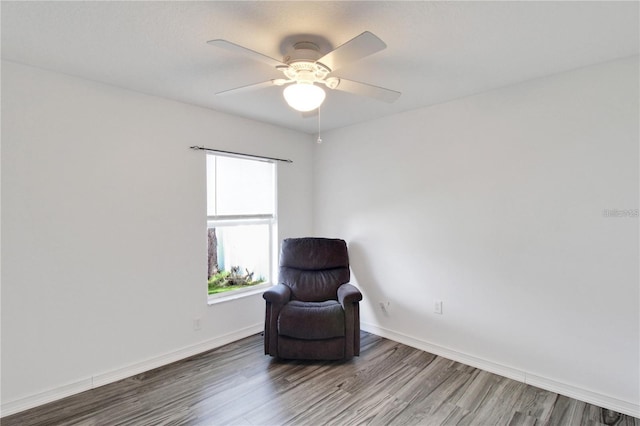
pixel 332 82
pixel 303 51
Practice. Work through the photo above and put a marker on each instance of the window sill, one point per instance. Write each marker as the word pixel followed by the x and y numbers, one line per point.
pixel 237 294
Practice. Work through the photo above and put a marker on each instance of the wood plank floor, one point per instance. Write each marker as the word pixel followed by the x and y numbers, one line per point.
pixel 389 384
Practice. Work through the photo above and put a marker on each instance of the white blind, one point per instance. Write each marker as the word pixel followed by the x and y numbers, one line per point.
pixel 238 186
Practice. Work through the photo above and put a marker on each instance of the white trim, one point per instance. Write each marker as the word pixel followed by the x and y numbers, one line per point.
pixel 238 293
pixel 452 354
pixel 219 221
pixel 45 397
pixel 586 395
pixel 572 391
pixel 101 379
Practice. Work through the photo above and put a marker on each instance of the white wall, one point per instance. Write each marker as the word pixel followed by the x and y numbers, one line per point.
pixel 491 203
pixel 104 230
pixel 494 204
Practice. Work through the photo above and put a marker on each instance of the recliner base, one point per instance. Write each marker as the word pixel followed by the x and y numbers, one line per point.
pixel 327 349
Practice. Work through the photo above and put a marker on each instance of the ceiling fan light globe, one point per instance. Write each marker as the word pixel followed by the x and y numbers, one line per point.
pixel 304 96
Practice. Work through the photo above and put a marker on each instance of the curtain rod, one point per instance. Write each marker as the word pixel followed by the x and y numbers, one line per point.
pixel 240 154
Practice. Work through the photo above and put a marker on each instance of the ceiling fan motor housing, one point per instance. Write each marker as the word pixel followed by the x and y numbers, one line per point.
pixel 302 65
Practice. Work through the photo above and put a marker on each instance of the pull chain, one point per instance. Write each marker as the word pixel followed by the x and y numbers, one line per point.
pixel 319 138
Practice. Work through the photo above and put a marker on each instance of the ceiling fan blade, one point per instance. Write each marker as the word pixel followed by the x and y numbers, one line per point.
pixel 363 89
pixel 357 48
pixel 247 88
pixel 236 48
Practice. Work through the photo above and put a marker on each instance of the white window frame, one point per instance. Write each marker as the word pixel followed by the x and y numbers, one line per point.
pixel 258 219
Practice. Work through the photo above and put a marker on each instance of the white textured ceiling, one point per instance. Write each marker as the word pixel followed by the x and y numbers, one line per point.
pixel 437 51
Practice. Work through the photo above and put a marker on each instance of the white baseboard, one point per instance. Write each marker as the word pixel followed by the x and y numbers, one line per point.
pixel 101 379
pixel 42 398
pixel 585 395
pixel 598 399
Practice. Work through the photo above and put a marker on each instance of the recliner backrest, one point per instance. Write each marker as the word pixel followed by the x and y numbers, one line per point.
pixel 314 268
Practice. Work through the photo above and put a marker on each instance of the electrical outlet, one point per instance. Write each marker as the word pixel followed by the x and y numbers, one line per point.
pixel 384 305
pixel 196 324
pixel 437 307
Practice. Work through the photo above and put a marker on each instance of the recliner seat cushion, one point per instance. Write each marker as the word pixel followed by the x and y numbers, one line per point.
pixel 311 320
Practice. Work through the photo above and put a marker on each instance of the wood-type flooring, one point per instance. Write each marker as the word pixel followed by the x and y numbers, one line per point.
pixel 389 384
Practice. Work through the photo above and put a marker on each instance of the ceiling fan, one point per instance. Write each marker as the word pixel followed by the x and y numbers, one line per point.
pixel 306 68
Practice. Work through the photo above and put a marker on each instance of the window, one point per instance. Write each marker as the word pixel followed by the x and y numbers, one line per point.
pixel 241 223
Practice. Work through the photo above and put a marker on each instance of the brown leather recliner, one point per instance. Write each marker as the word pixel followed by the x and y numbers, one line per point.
pixel 313 313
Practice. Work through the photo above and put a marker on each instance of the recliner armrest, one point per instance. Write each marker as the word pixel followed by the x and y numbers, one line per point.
pixel 348 293
pixel 278 294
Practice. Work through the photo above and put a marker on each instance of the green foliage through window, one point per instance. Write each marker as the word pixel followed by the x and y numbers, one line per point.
pixel 222 281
